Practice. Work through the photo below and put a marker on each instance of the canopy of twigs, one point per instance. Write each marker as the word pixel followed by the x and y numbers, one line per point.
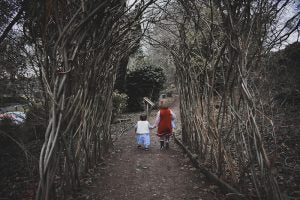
pixel 217 47
pixel 79 45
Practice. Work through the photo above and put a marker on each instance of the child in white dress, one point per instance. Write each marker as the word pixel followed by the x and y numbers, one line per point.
pixel 142 130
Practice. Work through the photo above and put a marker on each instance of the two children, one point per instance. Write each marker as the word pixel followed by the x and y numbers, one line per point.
pixel 165 123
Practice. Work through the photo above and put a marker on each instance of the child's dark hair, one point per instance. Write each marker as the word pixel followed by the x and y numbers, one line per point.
pixel 143 117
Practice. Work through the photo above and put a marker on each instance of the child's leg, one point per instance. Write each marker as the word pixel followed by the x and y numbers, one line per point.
pixel 162 141
pixel 138 140
pixel 167 139
pixel 147 140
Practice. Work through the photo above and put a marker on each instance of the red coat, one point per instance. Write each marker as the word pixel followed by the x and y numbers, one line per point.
pixel 164 125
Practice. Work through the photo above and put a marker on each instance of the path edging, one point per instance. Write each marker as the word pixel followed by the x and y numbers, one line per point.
pixel 206 172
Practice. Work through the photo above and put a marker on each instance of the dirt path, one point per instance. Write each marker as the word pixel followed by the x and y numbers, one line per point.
pixel 131 173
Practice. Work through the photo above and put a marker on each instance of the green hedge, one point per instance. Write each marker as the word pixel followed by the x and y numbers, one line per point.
pixel 146 81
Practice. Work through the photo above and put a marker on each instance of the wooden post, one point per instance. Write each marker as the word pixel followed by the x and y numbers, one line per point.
pixel 148 103
pixel 147 110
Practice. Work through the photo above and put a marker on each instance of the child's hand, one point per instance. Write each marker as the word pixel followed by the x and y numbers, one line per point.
pixel 153 127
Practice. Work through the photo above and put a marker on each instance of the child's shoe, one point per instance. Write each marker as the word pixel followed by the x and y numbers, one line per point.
pixel 139 146
pixel 161 145
pixel 146 149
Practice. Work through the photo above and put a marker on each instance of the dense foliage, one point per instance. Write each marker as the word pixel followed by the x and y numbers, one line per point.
pixel 284 71
pixel 292 55
pixel 146 81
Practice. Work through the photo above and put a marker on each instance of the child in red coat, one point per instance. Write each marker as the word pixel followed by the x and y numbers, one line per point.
pixel 164 124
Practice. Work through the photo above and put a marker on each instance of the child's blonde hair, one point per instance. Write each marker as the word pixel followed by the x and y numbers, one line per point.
pixel 163 103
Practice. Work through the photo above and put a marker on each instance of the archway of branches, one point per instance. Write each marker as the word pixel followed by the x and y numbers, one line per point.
pixel 219 49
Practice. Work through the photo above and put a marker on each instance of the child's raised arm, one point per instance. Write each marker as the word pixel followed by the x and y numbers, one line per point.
pixel 173 116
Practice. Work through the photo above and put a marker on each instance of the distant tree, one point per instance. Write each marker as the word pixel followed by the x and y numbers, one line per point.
pixel 285 74
pixel 162 58
pixel 12 59
pixel 146 81
pixel 136 34
pixel 12 64
pixel 119 103
pixel 138 60
pixel 11 13
pixel 292 54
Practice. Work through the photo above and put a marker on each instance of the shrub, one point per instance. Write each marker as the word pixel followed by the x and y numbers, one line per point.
pixel 8 100
pixel 35 123
pixel 119 103
pixel 146 81
pixel 8 130
pixel 292 54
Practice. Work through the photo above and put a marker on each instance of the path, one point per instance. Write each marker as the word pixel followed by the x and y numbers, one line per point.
pixel 131 173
